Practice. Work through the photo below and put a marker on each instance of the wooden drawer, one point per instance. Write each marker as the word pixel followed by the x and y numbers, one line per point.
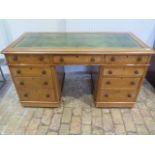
pixel 36 95
pixel 127 59
pixel 120 83
pixel 30 71
pixel 117 95
pixel 77 59
pixel 33 82
pixel 124 71
pixel 28 59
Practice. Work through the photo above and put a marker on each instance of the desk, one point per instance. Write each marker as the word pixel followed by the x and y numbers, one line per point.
pixel 118 61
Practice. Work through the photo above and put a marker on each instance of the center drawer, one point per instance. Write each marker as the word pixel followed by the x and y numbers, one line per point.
pixel 37 95
pixel 120 83
pixel 33 82
pixel 31 71
pixel 124 71
pixel 77 59
pixel 117 96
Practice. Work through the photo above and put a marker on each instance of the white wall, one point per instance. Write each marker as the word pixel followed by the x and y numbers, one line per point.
pixel 144 29
pixel 3 37
pixel 15 27
pixel 11 29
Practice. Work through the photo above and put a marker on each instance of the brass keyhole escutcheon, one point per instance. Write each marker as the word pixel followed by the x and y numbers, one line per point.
pixel 21 82
pixel 129 95
pixel 15 58
pixel 46 83
pixel 41 58
pixel 132 83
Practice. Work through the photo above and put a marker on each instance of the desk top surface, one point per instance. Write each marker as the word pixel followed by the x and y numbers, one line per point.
pixel 77 42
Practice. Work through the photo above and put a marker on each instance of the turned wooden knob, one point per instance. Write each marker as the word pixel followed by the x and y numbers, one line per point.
pixel 106 95
pixel 43 72
pixel 26 95
pixel 18 71
pixel 48 96
pixel 109 72
pixel 92 60
pixel 136 72
pixel 108 82
pixel 139 59
pixel 113 59
pixel 129 95
pixel 61 59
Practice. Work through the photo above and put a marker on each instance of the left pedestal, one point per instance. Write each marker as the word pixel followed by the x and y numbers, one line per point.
pixel 37 82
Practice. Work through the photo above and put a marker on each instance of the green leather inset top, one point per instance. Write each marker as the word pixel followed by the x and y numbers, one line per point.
pixel 77 40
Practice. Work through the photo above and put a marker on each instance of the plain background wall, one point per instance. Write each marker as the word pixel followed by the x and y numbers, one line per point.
pixel 10 29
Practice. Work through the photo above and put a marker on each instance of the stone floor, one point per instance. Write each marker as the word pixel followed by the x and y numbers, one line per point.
pixel 77 113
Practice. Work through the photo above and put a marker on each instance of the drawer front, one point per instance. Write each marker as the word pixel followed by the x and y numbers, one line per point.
pixel 36 95
pixel 117 96
pixel 77 59
pixel 33 82
pixel 27 59
pixel 120 83
pixel 124 71
pixel 127 59
pixel 30 71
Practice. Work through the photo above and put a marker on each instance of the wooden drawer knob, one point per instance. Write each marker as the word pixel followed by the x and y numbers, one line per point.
pixel 109 72
pixel 15 58
pixel 18 71
pixel 43 72
pixel 48 96
pixel 129 95
pixel 132 83
pixel 41 58
pixel 61 59
pixel 46 83
pixel 26 95
pixel 106 95
pixel 136 72
pixel 113 59
pixel 92 59
pixel 22 83
pixel 108 82
pixel 139 59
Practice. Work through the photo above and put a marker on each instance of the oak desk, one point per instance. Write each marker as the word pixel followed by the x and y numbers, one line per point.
pixel 119 62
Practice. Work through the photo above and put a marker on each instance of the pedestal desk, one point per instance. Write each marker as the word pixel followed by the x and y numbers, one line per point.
pixel 118 61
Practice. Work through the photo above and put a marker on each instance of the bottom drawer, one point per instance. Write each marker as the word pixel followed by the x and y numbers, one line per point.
pixel 37 95
pixel 117 96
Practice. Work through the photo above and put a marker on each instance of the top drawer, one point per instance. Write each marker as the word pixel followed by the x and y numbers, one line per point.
pixel 127 59
pixel 77 59
pixel 27 59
